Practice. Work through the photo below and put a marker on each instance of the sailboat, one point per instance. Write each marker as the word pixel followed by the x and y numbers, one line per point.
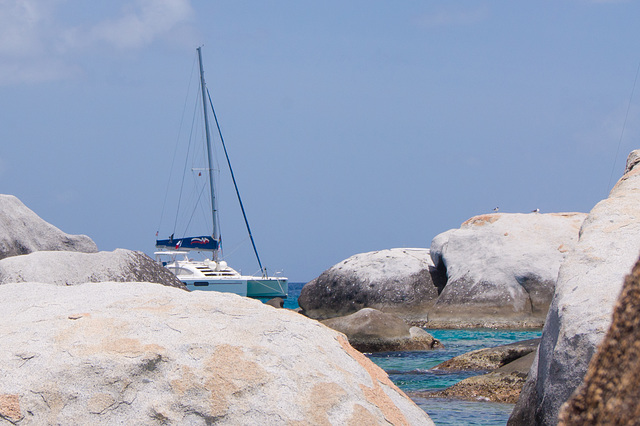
pixel 213 273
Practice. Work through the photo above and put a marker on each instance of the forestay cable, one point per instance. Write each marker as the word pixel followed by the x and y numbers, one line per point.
pixel 233 178
pixel 624 124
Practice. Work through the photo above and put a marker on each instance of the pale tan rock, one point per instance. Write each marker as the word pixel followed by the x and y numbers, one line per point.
pixel 589 283
pixel 610 393
pixel 501 268
pixel 370 330
pixel 140 353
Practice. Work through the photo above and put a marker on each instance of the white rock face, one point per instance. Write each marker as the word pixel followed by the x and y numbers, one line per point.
pixel 72 268
pixel 396 281
pixel 117 353
pixel 502 268
pixel 588 285
pixel 22 231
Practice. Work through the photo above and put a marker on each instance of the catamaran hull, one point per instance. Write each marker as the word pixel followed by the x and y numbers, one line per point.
pixel 267 287
pixel 259 288
pixel 211 275
pixel 225 286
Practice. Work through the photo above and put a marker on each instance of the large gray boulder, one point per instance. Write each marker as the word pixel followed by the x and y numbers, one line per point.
pixel 72 268
pixel 610 393
pixel 370 330
pixel 501 268
pixel 589 283
pixel 22 231
pixel 396 281
pixel 115 353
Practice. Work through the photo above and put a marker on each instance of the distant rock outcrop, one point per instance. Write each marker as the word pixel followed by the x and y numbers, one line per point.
pixel 370 330
pixel 22 231
pixel 490 358
pixel 501 385
pixel 501 268
pixel 610 393
pixel 589 283
pixel 72 268
pixel 114 353
pixel 396 281
pixel 507 366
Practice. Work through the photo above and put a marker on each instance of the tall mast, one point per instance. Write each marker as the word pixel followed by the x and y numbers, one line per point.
pixel 214 210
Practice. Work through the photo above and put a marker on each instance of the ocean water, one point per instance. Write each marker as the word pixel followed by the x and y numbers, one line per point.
pixel 411 371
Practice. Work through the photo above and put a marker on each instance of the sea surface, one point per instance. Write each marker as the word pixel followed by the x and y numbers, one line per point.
pixel 411 371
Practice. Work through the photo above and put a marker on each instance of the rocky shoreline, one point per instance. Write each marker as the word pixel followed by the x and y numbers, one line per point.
pixel 501 385
pixel 462 325
pixel 562 271
pixel 490 358
pixel 497 271
pixel 104 337
pixel 506 369
pixel 112 338
pixel 589 284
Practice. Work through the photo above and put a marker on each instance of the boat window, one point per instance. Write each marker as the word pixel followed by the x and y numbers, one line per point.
pixel 200 283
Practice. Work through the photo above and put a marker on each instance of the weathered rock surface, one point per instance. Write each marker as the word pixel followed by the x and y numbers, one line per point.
pixel 501 385
pixel 370 330
pixel 276 302
pixel 632 160
pixel 72 268
pixel 115 353
pixel 501 268
pixel 589 283
pixel 22 231
pixel 396 281
pixel 610 393
pixel 490 358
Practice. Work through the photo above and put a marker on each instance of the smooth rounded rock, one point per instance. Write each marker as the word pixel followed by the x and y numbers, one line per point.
pixel 397 281
pixel 589 283
pixel 276 302
pixel 610 393
pixel 72 268
pixel 501 268
pixel 370 330
pixel 144 354
pixel 22 231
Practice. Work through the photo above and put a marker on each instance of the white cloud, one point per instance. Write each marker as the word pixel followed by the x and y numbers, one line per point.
pixel 37 45
pixel 141 23
pixel 22 26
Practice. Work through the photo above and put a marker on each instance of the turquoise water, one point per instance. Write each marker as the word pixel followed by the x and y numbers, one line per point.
pixel 291 302
pixel 411 371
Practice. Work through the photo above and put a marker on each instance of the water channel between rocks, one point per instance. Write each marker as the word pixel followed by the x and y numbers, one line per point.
pixel 411 371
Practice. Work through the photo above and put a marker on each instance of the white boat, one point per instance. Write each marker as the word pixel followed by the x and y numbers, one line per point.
pixel 212 273
pixel 218 276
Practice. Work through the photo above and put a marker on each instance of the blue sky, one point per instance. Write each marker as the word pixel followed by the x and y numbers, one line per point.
pixel 352 126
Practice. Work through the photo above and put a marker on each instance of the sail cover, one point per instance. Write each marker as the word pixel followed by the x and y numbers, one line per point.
pixel 204 242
